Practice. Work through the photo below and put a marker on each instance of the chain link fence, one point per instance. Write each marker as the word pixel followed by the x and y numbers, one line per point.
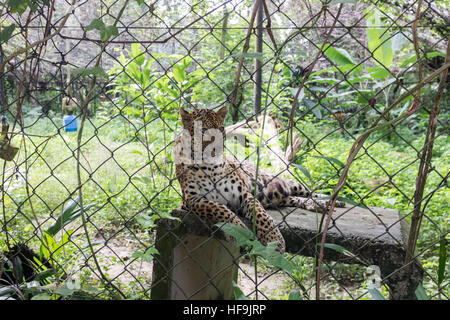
pixel 354 100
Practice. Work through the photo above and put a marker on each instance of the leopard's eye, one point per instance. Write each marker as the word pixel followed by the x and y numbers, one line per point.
pixel 222 129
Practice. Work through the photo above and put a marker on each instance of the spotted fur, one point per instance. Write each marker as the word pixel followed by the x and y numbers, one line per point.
pixel 224 191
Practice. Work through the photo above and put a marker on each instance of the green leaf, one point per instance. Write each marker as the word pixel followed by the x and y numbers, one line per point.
pixel 343 251
pixel 146 256
pixel 66 290
pixel 146 221
pixel 378 73
pixel 18 268
pixel 243 236
pixel 137 54
pixel 421 293
pixel 332 3
pixel 238 294
pixel 304 171
pixel 378 39
pixel 442 260
pixel 48 246
pixel 178 73
pixel 105 31
pixel 94 71
pixel 41 296
pixel 338 55
pixel 7 290
pixel 17 6
pixel 6 32
pixel 110 31
pixel 249 55
pixel 330 81
pixel 376 295
pixel 143 179
pixel 295 295
pixel 186 62
pixel 331 159
pixel 70 212
pixel 413 58
pixel 271 255
pixel 44 274
pixel 96 24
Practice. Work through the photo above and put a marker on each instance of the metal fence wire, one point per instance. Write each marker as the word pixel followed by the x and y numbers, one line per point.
pixel 349 98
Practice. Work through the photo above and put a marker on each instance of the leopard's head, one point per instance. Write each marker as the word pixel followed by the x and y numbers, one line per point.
pixel 209 119
pixel 207 124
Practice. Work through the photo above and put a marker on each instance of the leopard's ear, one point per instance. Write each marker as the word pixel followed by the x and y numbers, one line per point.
pixel 222 113
pixel 186 117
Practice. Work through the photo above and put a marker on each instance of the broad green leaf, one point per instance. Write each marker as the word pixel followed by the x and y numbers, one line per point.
pixel 249 55
pixel 6 32
pixel 331 159
pixel 271 255
pixel 17 6
pixel 353 80
pixel 96 24
pixel 317 113
pixel 319 89
pixel 338 55
pixel 421 293
pixel 413 58
pixel 139 153
pixel 378 39
pixel 44 274
pixel 145 220
pixel 375 294
pixel 378 73
pixel 324 80
pixel 143 179
pixel 94 71
pixel 48 246
pixel 304 170
pixel 108 32
pixel 340 94
pixel 41 296
pixel 238 294
pixel 295 295
pixel 178 73
pixel 339 69
pixel 332 3
pixel 18 268
pixel 7 290
pixel 137 54
pixel 186 62
pixel 147 255
pixel 442 260
pixel 66 289
pixel 243 236
pixel 70 212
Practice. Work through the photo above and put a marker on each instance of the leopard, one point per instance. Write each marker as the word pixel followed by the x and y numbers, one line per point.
pixel 226 189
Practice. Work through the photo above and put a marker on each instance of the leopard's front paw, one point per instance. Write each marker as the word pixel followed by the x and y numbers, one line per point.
pixel 275 236
pixel 340 204
pixel 323 206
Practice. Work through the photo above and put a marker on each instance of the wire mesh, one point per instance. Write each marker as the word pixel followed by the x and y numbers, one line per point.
pixel 80 208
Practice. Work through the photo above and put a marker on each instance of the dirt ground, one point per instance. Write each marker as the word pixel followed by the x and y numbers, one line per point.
pixel 116 259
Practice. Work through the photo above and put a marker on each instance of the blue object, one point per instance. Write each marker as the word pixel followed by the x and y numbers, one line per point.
pixel 70 123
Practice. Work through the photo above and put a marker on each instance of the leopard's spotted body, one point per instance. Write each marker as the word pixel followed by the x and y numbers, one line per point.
pixel 224 190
